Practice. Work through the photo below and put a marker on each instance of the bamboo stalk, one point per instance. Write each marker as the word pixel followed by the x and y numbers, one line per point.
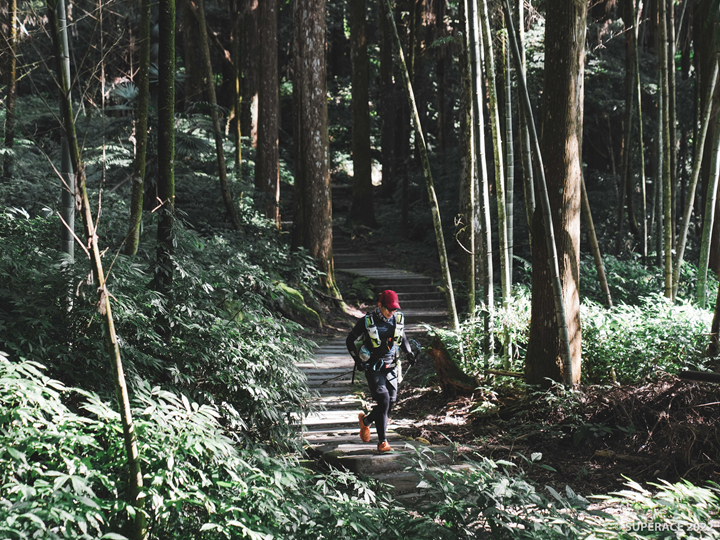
pixel 420 144
pixel 594 246
pixel 690 202
pixel 141 132
pixel 137 497
pixel 199 12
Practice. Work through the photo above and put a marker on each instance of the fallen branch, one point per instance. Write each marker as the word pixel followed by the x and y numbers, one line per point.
pixel 609 454
pixel 505 373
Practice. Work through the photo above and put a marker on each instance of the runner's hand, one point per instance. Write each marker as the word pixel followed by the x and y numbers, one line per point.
pixel 359 364
pixel 411 358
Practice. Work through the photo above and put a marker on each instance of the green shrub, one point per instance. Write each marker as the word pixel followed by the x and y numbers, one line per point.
pixel 631 342
pixel 629 281
pixel 638 341
pixel 63 473
pixel 495 498
pixel 228 346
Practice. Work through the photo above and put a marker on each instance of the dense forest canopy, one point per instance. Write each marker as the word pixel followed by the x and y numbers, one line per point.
pixel 170 193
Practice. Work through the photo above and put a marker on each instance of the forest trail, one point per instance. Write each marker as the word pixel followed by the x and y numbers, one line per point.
pixel 332 433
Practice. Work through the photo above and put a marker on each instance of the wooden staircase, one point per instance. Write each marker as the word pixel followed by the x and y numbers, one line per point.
pixel 332 433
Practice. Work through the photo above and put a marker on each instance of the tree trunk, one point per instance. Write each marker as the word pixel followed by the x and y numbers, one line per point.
pixel 267 162
pixel 166 151
pixel 643 184
pixel 525 153
pixel 594 246
pixel 658 186
pixel 453 380
pixel 484 245
pixel 710 199
pixel 67 177
pixel 56 11
pixel 420 144
pixel 362 210
pixel 496 128
pixel 312 161
pixel 198 10
pixel 141 132
pixel 666 170
pixel 237 84
pixel 625 168
pixel 11 84
pixel 388 109
pixel 672 119
pixel 466 234
pixel 697 162
pixel 707 47
pixel 443 63
pixel 509 158
pixel 192 56
pixel 251 53
pixel 554 344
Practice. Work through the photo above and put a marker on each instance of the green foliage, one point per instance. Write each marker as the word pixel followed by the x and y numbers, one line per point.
pixel 62 472
pixel 360 290
pixel 639 341
pixel 629 281
pixel 482 496
pixel 628 342
pixel 228 347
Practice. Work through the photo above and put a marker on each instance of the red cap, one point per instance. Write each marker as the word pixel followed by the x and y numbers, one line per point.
pixel 389 299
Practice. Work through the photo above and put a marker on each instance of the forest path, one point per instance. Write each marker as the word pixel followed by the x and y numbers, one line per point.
pixel 332 433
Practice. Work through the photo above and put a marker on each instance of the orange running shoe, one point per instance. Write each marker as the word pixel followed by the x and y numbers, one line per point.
pixel 384 447
pixel 364 430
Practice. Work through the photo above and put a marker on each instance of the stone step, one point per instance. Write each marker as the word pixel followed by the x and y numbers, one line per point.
pixel 328 441
pixel 426 315
pixel 329 392
pixel 419 304
pixel 390 275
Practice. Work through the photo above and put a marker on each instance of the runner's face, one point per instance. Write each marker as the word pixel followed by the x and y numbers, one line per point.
pixel 387 313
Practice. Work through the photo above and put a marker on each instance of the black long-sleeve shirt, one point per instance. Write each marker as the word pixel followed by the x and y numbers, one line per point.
pixel 386 330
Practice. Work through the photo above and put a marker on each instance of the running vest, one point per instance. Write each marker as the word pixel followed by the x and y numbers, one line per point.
pixel 374 335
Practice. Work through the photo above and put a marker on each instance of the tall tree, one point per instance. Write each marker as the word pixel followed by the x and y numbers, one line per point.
pixel 710 201
pixel 237 57
pixel 11 50
pixel 468 184
pixel 267 162
pixel 136 496
pixel 250 67
pixel 666 168
pixel 697 162
pixel 443 62
pixel 420 143
pixel 313 201
pixel 635 16
pixel 388 109
pixel 198 9
pixel 485 259
pixel 706 48
pixel 630 94
pixel 362 210
pixel 166 149
pixel 141 131
pixel 509 155
pixel 561 147
pixel 195 87
pixel 67 176
pixel 496 130
pixel 524 136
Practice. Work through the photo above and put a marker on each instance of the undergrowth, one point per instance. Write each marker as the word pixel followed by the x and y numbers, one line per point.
pixel 61 468
pixel 626 343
